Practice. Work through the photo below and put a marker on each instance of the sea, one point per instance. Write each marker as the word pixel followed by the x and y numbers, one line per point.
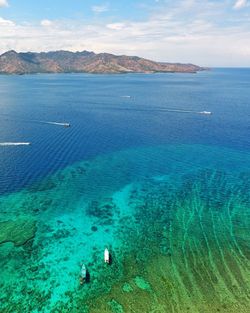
pixel 154 167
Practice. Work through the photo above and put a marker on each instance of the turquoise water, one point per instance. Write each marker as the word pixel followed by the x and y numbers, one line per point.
pixel 167 192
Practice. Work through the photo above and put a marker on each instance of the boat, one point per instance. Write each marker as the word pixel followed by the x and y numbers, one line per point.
pixel 206 112
pixel 83 274
pixel 106 256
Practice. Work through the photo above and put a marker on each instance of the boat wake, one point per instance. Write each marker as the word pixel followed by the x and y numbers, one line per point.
pixel 161 109
pixel 150 109
pixel 55 123
pixel 184 111
pixel 15 143
pixel 14 118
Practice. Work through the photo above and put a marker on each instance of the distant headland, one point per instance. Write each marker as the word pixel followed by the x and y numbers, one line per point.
pixel 12 62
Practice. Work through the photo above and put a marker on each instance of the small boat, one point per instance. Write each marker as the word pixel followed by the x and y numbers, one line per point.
pixel 106 256
pixel 83 274
pixel 206 112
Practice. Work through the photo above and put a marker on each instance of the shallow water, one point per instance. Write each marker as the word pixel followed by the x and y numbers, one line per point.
pixel 168 193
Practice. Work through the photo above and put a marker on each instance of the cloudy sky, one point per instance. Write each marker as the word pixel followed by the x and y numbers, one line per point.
pixel 205 32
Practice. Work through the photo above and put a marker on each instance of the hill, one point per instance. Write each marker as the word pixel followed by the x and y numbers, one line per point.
pixel 12 62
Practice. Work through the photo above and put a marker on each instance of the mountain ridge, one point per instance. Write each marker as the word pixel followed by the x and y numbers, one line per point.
pixel 63 61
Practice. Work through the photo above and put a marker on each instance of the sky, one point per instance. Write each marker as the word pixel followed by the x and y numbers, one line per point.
pixel 204 32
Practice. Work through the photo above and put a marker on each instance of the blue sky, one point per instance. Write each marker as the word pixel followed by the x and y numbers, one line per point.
pixel 208 32
pixel 59 9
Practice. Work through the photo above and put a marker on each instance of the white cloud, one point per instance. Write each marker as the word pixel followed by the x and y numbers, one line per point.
pixel 3 3
pixel 46 23
pixel 4 22
pixel 100 8
pixel 116 26
pixel 239 4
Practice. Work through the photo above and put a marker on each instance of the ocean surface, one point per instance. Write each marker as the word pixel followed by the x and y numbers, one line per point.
pixel 140 171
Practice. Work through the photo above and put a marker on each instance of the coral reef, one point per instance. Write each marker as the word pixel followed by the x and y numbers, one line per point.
pixel 206 267
pixel 18 232
pixel 177 232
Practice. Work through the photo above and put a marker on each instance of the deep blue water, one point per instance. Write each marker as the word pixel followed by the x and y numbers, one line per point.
pixel 103 121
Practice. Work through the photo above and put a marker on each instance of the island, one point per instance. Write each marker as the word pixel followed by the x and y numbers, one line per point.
pixel 12 62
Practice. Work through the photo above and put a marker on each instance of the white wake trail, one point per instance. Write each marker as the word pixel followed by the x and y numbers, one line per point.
pixel 185 111
pixel 55 123
pixel 15 143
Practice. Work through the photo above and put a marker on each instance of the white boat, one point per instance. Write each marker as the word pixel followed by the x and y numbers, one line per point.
pixel 106 256
pixel 83 274
pixel 206 112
